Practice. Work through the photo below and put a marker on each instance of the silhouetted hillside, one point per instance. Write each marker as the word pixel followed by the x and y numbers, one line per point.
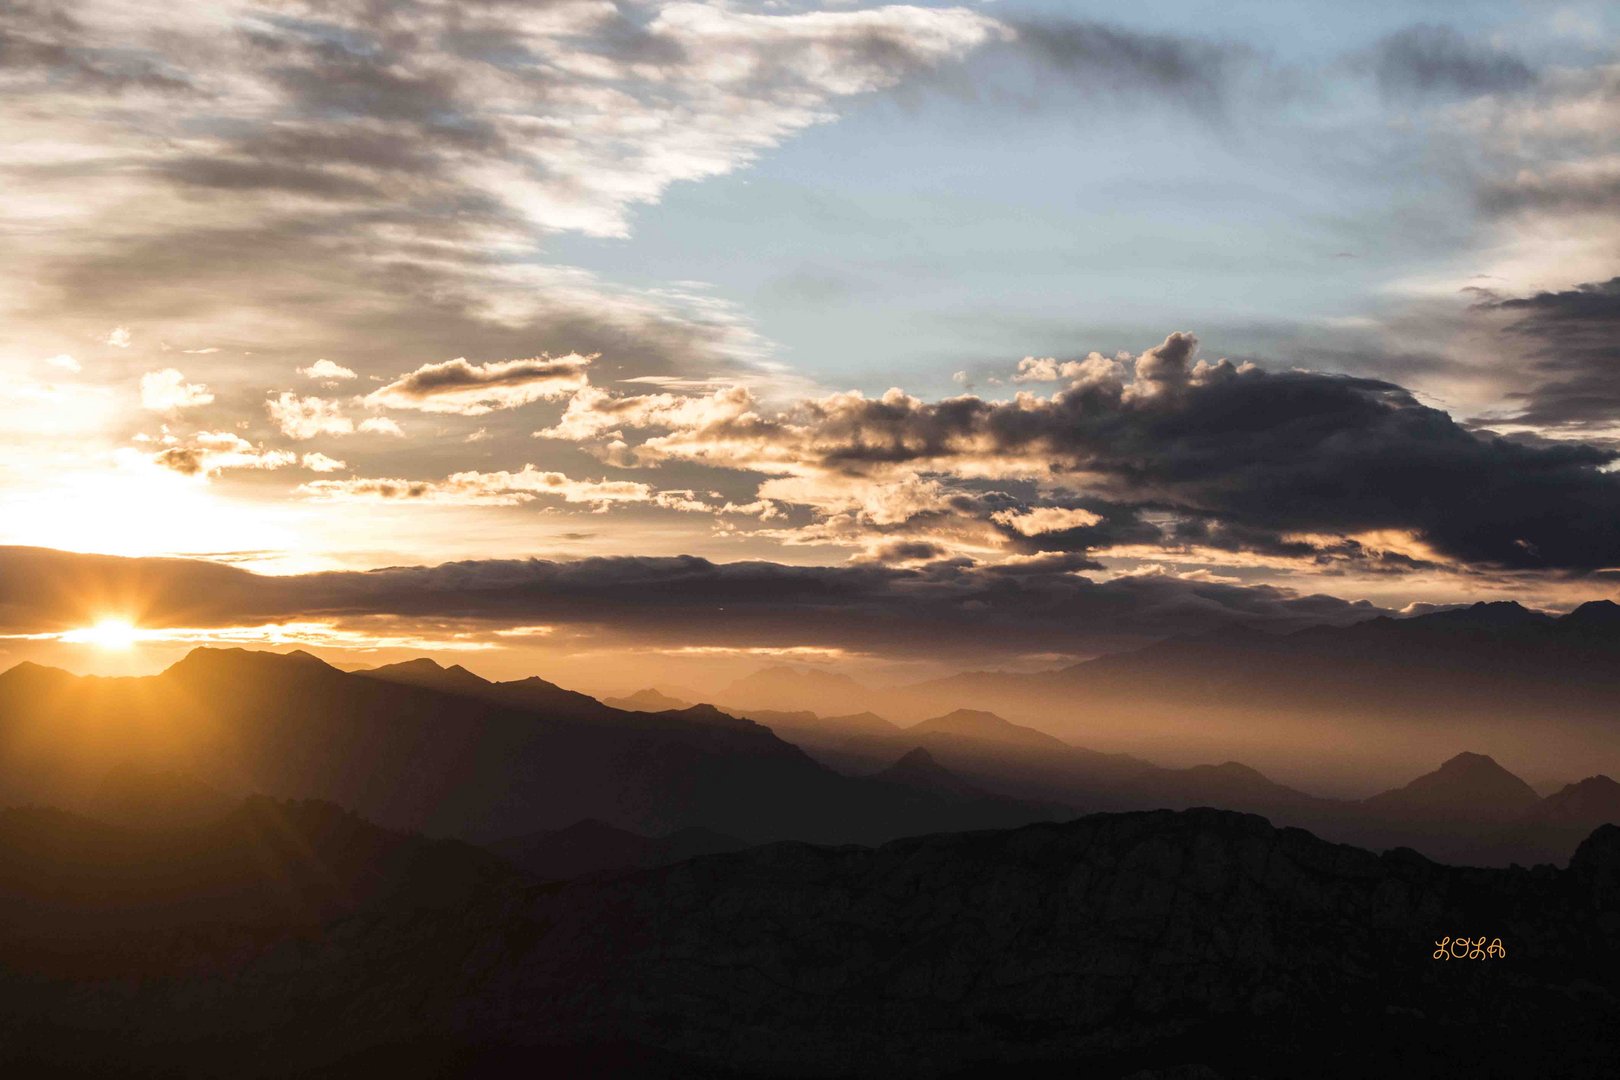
pixel 917 769
pixel 1197 943
pixel 589 847
pixel 431 674
pixel 71 888
pixel 1468 788
pixel 498 760
pixel 648 700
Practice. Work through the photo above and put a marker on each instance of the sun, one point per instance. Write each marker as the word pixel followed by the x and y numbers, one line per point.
pixel 107 634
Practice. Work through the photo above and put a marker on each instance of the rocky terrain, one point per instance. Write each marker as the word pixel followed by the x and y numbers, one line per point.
pixel 1190 944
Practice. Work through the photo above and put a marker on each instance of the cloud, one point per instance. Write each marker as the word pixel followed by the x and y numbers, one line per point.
pixel 326 369
pixel 321 463
pixel 1048 369
pixel 935 611
pixel 64 362
pixel 467 389
pixel 46 46
pixel 120 337
pixel 1264 452
pixel 1109 60
pixel 1428 60
pixel 499 489
pixel 381 425
pixel 206 453
pixel 167 390
pixel 554 116
pixel 1574 341
pixel 592 412
pixel 307 417
pixel 1047 519
pixel 1580 187
pixel 370 180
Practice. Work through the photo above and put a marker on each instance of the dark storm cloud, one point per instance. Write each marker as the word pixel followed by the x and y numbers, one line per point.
pixel 1574 337
pixel 1291 452
pixel 1429 60
pixel 950 608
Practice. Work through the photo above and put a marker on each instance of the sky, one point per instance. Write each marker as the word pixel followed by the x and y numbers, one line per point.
pixel 986 334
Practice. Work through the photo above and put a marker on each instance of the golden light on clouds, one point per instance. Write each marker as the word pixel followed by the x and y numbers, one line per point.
pixel 113 633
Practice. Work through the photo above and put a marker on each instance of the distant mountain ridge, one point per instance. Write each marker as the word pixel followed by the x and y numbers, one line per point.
pixel 421 747
pixel 1497 676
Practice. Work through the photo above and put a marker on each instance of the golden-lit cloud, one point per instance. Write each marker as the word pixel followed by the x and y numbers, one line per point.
pixel 119 634
pixel 1046 519
pixel 467 389
pixel 501 488
pixel 326 369
pixel 306 417
pixel 167 390
pixel 206 453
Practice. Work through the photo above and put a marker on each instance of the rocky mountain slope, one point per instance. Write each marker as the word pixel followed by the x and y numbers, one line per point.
pixel 1189 944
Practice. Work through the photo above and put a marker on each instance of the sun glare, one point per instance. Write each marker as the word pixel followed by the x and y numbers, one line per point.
pixel 106 634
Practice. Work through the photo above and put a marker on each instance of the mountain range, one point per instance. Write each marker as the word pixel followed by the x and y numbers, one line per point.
pixel 420 747
pixel 294 939
pixel 1338 707
pixel 1469 809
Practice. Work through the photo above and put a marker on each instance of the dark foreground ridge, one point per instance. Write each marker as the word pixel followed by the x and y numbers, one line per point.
pixel 1196 943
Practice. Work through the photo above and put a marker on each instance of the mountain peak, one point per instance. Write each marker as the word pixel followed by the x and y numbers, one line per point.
pixel 427 672
pixel 1470 762
pixel 1588 803
pixel 207 658
pixel 918 769
pixel 650 699
pixel 978 724
pixel 1594 613
pixel 1485 613
pixel 710 716
pixel 27 669
pixel 1469 784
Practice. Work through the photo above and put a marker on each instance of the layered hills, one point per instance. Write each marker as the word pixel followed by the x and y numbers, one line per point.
pixel 440 750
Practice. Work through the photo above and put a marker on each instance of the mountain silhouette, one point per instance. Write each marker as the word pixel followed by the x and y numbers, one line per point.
pixel 1352 704
pixel 1469 787
pixel 984 726
pixel 589 847
pixel 477 766
pixel 70 885
pixel 1193 943
pixel 648 700
pixel 144 798
pixel 498 760
pixel 1585 804
pixel 429 673
pixel 917 769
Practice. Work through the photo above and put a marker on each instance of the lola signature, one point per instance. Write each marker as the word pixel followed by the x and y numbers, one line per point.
pixel 1462 948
